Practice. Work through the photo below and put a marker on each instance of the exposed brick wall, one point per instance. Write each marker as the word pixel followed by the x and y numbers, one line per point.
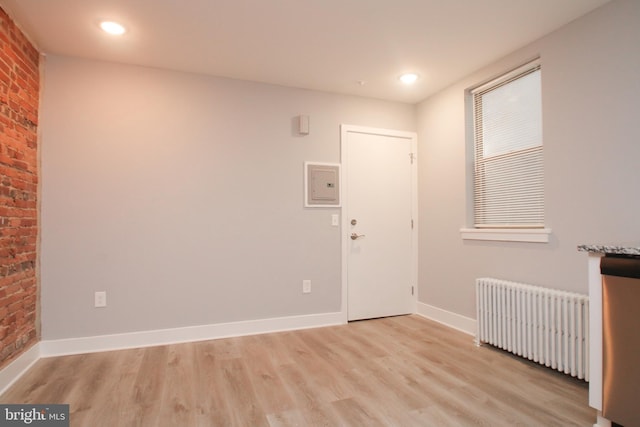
pixel 19 96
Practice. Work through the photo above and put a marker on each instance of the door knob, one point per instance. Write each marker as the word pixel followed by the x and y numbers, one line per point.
pixel 355 236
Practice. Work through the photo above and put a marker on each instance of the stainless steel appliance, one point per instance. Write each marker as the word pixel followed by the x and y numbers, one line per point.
pixel 621 339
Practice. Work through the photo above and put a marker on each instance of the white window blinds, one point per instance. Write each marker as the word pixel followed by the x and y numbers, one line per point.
pixel 508 179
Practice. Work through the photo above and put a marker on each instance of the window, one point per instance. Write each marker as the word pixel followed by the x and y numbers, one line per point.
pixel 508 190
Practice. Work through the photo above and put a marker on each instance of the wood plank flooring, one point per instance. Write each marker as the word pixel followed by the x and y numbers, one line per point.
pixel 398 371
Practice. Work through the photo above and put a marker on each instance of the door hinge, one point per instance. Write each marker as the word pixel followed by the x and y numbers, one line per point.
pixel 412 224
pixel 412 156
pixel 412 290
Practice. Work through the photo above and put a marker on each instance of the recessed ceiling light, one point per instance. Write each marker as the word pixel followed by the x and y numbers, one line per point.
pixel 409 78
pixel 112 28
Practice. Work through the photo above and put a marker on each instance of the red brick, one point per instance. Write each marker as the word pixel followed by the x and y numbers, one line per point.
pixel 19 97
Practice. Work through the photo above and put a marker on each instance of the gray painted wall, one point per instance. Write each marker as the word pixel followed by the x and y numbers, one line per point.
pixel 590 93
pixel 182 196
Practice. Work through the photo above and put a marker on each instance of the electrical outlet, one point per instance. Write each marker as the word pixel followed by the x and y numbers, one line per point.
pixel 100 299
pixel 306 286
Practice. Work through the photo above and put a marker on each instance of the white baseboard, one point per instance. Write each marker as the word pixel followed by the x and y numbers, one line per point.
pixel 447 318
pixel 152 338
pixel 14 370
pixel 601 421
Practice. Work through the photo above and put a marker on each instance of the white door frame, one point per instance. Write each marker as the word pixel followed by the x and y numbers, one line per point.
pixel 344 130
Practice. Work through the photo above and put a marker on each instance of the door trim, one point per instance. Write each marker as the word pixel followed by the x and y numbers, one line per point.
pixel 344 226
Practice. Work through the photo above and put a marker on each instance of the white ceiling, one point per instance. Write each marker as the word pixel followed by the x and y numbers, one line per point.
pixel 327 45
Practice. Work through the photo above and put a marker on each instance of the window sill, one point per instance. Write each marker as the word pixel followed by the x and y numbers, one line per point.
pixel 533 235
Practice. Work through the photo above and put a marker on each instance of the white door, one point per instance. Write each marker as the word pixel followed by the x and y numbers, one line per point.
pixel 380 269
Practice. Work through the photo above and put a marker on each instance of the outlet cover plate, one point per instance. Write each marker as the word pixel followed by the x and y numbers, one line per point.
pixel 100 299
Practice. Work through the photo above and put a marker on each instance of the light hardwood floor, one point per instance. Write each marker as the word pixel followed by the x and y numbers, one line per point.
pixel 398 371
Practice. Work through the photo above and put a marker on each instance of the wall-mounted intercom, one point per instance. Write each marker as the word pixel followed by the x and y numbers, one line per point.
pixel 322 184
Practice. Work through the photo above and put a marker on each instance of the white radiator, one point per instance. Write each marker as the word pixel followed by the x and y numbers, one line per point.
pixel 546 326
